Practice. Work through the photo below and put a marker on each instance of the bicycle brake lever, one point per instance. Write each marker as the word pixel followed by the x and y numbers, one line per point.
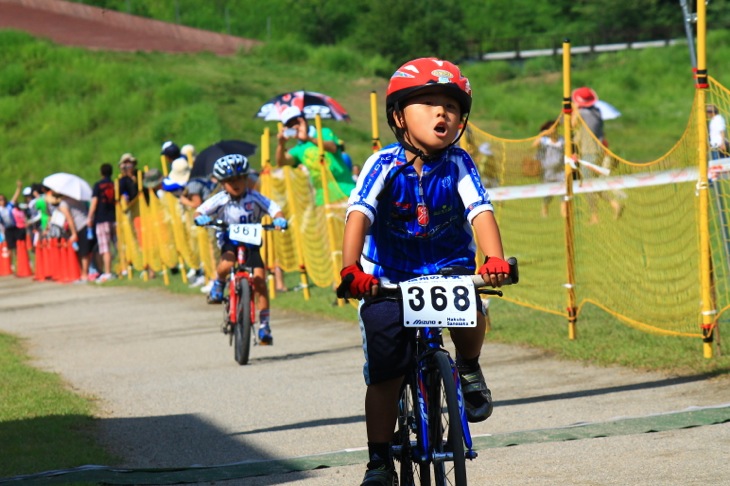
pixel 491 292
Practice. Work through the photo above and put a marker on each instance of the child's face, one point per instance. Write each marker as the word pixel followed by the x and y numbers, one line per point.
pixel 431 121
pixel 237 186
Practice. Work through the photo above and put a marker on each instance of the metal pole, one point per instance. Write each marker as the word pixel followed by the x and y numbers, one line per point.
pixel 569 207
pixel 688 20
pixel 702 83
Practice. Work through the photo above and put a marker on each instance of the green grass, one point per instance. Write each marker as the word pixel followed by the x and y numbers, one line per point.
pixel 43 425
pixel 69 109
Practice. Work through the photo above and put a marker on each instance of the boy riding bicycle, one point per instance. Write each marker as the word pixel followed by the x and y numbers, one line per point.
pixel 239 204
pixel 412 214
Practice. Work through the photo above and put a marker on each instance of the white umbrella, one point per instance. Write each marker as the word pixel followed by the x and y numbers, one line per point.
pixel 608 111
pixel 69 185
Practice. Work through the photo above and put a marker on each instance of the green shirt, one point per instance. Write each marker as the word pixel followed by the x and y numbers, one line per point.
pixel 307 153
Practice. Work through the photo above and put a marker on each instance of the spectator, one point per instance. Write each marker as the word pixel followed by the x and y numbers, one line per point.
pixel 169 151
pixel 102 213
pixel 76 215
pixel 152 181
pixel 306 152
pixel 551 153
pixel 178 177
pixel 128 188
pixel 8 227
pixel 717 129
pixel 588 150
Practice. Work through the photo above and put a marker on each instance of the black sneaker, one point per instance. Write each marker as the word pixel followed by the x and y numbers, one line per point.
pixel 477 397
pixel 381 476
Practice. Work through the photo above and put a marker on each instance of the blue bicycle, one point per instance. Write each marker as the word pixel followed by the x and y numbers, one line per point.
pixel 432 439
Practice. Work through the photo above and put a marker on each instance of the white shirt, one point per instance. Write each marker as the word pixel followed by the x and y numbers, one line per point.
pixel 717 130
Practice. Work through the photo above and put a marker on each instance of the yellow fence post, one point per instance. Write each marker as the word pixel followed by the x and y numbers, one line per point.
pixel 334 247
pixel 569 214
pixel 291 202
pixel 265 181
pixel 374 120
pixel 708 310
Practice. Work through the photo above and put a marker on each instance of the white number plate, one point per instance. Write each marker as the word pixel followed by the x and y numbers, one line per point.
pixel 245 233
pixel 439 301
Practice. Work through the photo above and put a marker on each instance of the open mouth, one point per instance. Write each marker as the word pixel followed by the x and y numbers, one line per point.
pixel 440 129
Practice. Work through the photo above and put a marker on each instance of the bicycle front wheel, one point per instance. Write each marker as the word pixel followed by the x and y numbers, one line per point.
pixel 242 330
pixel 447 435
pixel 406 447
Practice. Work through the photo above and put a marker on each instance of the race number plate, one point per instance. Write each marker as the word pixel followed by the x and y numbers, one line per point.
pixel 439 301
pixel 245 233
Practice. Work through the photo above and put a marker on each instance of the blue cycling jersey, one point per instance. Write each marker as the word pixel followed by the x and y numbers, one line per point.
pixel 419 224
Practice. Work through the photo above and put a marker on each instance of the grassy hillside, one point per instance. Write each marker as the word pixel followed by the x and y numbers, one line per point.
pixel 68 109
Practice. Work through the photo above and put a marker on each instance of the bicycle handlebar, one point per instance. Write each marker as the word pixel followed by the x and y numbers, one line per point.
pixel 392 288
pixel 223 226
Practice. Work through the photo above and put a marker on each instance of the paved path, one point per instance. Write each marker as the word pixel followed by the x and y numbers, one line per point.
pixel 171 395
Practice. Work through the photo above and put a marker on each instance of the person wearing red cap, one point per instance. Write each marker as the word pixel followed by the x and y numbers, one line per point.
pixel 591 142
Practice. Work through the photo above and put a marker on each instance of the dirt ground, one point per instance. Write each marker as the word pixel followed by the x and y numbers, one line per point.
pixel 67 26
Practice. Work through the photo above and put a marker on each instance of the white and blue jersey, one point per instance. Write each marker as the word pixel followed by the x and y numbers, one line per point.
pixel 250 208
pixel 420 224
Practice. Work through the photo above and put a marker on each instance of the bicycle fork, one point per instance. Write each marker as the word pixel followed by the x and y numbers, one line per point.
pixel 232 298
pixel 469 453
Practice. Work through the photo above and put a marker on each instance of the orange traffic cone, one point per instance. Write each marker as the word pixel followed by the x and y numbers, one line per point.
pixel 72 259
pixel 47 263
pixel 5 268
pixel 54 259
pixel 22 259
pixel 40 261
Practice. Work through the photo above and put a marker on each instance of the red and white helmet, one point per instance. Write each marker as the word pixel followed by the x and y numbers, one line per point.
pixel 423 73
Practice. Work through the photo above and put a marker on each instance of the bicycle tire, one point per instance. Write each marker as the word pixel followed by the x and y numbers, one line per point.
pixel 242 330
pixel 411 471
pixel 447 435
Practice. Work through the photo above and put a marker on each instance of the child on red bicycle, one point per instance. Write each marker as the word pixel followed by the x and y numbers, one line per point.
pixel 412 214
pixel 239 204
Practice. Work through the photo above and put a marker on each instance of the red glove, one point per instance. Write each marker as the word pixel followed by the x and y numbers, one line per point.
pixel 493 265
pixel 355 282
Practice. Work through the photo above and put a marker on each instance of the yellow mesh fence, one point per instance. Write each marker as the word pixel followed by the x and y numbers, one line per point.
pixel 720 210
pixel 635 234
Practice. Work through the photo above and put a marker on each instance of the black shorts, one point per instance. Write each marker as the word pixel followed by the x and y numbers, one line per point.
pixel 85 244
pixel 12 235
pixel 253 254
pixel 387 344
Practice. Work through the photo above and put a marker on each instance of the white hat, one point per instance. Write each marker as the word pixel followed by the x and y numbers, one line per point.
pixel 188 149
pixel 289 114
pixel 27 191
pixel 179 171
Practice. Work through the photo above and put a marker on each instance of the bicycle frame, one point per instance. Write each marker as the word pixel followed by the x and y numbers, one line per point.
pixel 431 340
pixel 239 273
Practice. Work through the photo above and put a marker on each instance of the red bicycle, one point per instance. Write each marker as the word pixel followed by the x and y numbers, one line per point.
pixel 239 308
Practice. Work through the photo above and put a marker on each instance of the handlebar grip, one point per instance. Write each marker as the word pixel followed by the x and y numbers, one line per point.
pixel 514 275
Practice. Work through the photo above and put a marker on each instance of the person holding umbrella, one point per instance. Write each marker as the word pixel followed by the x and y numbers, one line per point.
pixel 77 215
pixel 306 151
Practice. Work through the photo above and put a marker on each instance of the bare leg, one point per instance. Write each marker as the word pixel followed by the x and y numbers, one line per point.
pixel 381 409
pixel 468 340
